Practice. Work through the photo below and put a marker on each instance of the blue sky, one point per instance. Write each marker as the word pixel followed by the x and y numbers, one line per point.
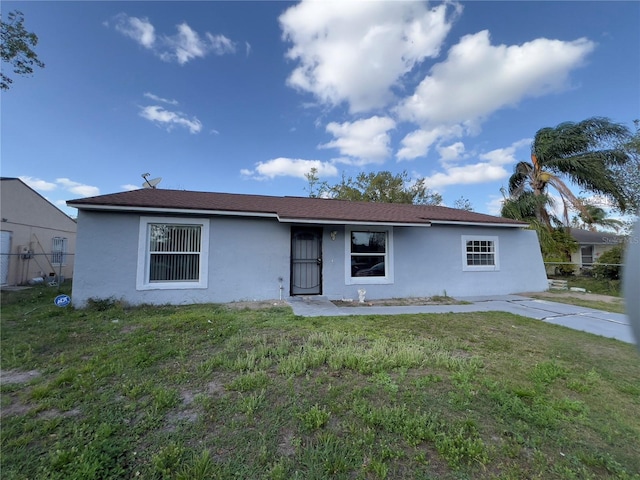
pixel 246 97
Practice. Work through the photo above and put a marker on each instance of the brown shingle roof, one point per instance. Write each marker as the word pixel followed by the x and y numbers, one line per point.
pixel 285 208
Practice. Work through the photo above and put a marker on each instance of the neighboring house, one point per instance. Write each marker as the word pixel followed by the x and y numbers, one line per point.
pixel 592 245
pixel 174 247
pixel 37 238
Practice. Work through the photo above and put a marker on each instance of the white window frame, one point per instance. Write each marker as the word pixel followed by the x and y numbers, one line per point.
pixel 144 255
pixel 59 249
pixel 388 258
pixel 481 268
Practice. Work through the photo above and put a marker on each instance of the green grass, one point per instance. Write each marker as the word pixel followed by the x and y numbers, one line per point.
pixel 596 285
pixel 200 392
pixel 614 307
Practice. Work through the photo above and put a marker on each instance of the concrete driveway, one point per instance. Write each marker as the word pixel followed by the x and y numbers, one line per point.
pixel 598 322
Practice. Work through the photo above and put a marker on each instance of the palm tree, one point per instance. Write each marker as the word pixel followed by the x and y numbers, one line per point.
pixel 597 216
pixel 525 208
pixel 582 153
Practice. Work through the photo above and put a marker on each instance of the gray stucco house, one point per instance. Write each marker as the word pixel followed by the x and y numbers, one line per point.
pixel 162 246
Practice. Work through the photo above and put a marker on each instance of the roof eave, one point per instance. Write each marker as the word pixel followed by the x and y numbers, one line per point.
pixel 353 222
pixel 480 224
pixel 181 211
pixel 243 213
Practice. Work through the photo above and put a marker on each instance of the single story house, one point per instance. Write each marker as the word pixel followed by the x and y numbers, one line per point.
pixel 592 245
pixel 160 246
pixel 37 239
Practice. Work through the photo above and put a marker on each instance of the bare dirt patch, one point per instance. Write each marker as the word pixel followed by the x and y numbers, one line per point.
pixel 255 305
pixel 15 408
pixel 401 302
pixel 15 376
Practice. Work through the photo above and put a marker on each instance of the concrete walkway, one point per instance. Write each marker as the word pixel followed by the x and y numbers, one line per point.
pixel 598 322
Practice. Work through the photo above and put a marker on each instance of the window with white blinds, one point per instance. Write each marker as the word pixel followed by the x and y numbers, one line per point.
pixel 172 253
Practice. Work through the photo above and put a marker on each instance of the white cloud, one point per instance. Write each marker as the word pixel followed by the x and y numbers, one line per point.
pixel 417 143
pixel 467 174
pixel 129 187
pixel 187 45
pixel 492 168
pixel 289 167
pixel 156 98
pixel 366 140
pixel 451 153
pixel 479 78
pixel 168 119
pixel 494 205
pixel 355 51
pixel 38 184
pixel 182 47
pixel 506 156
pixel 78 188
pixel 138 29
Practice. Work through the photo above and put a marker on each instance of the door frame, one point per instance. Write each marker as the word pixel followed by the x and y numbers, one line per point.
pixel 318 232
pixel 5 259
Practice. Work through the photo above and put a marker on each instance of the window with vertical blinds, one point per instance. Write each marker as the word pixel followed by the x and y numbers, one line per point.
pixel 172 253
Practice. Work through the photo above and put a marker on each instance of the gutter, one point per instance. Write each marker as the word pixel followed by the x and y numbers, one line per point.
pixel 236 213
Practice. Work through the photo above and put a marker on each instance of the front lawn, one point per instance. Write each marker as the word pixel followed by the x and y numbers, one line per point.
pixel 211 391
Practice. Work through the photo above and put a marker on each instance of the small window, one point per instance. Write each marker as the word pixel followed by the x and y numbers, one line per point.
pixel 587 255
pixel 172 253
pixel 480 253
pixel 368 257
pixel 59 251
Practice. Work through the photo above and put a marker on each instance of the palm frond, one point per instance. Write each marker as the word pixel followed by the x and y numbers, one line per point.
pixel 518 181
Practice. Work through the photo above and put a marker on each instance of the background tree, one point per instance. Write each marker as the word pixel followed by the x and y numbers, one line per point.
pixel 314 183
pixel 585 153
pixel 628 174
pixel 525 208
pixel 597 217
pixel 463 203
pixel 609 265
pixel 16 48
pixel 383 187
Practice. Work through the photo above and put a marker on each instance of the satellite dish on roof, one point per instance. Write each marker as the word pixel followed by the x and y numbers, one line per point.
pixel 150 183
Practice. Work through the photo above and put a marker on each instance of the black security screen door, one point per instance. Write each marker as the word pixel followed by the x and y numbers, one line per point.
pixel 306 261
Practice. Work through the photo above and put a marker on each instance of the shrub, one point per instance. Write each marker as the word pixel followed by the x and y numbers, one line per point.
pixel 608 265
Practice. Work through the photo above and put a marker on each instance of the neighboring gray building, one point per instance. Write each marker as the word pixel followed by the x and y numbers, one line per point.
pixel 37 239
pixel 179 247
pixel 592 245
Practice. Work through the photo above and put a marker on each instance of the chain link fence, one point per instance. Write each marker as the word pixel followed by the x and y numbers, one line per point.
pixel 30 268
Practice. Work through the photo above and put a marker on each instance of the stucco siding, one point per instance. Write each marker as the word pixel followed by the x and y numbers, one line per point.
pixel 33 223
pixel 428 261
pixel 246 260
pixel 249 259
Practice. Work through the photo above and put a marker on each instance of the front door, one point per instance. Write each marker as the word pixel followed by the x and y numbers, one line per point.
pixel 306 261
pixel 5 250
